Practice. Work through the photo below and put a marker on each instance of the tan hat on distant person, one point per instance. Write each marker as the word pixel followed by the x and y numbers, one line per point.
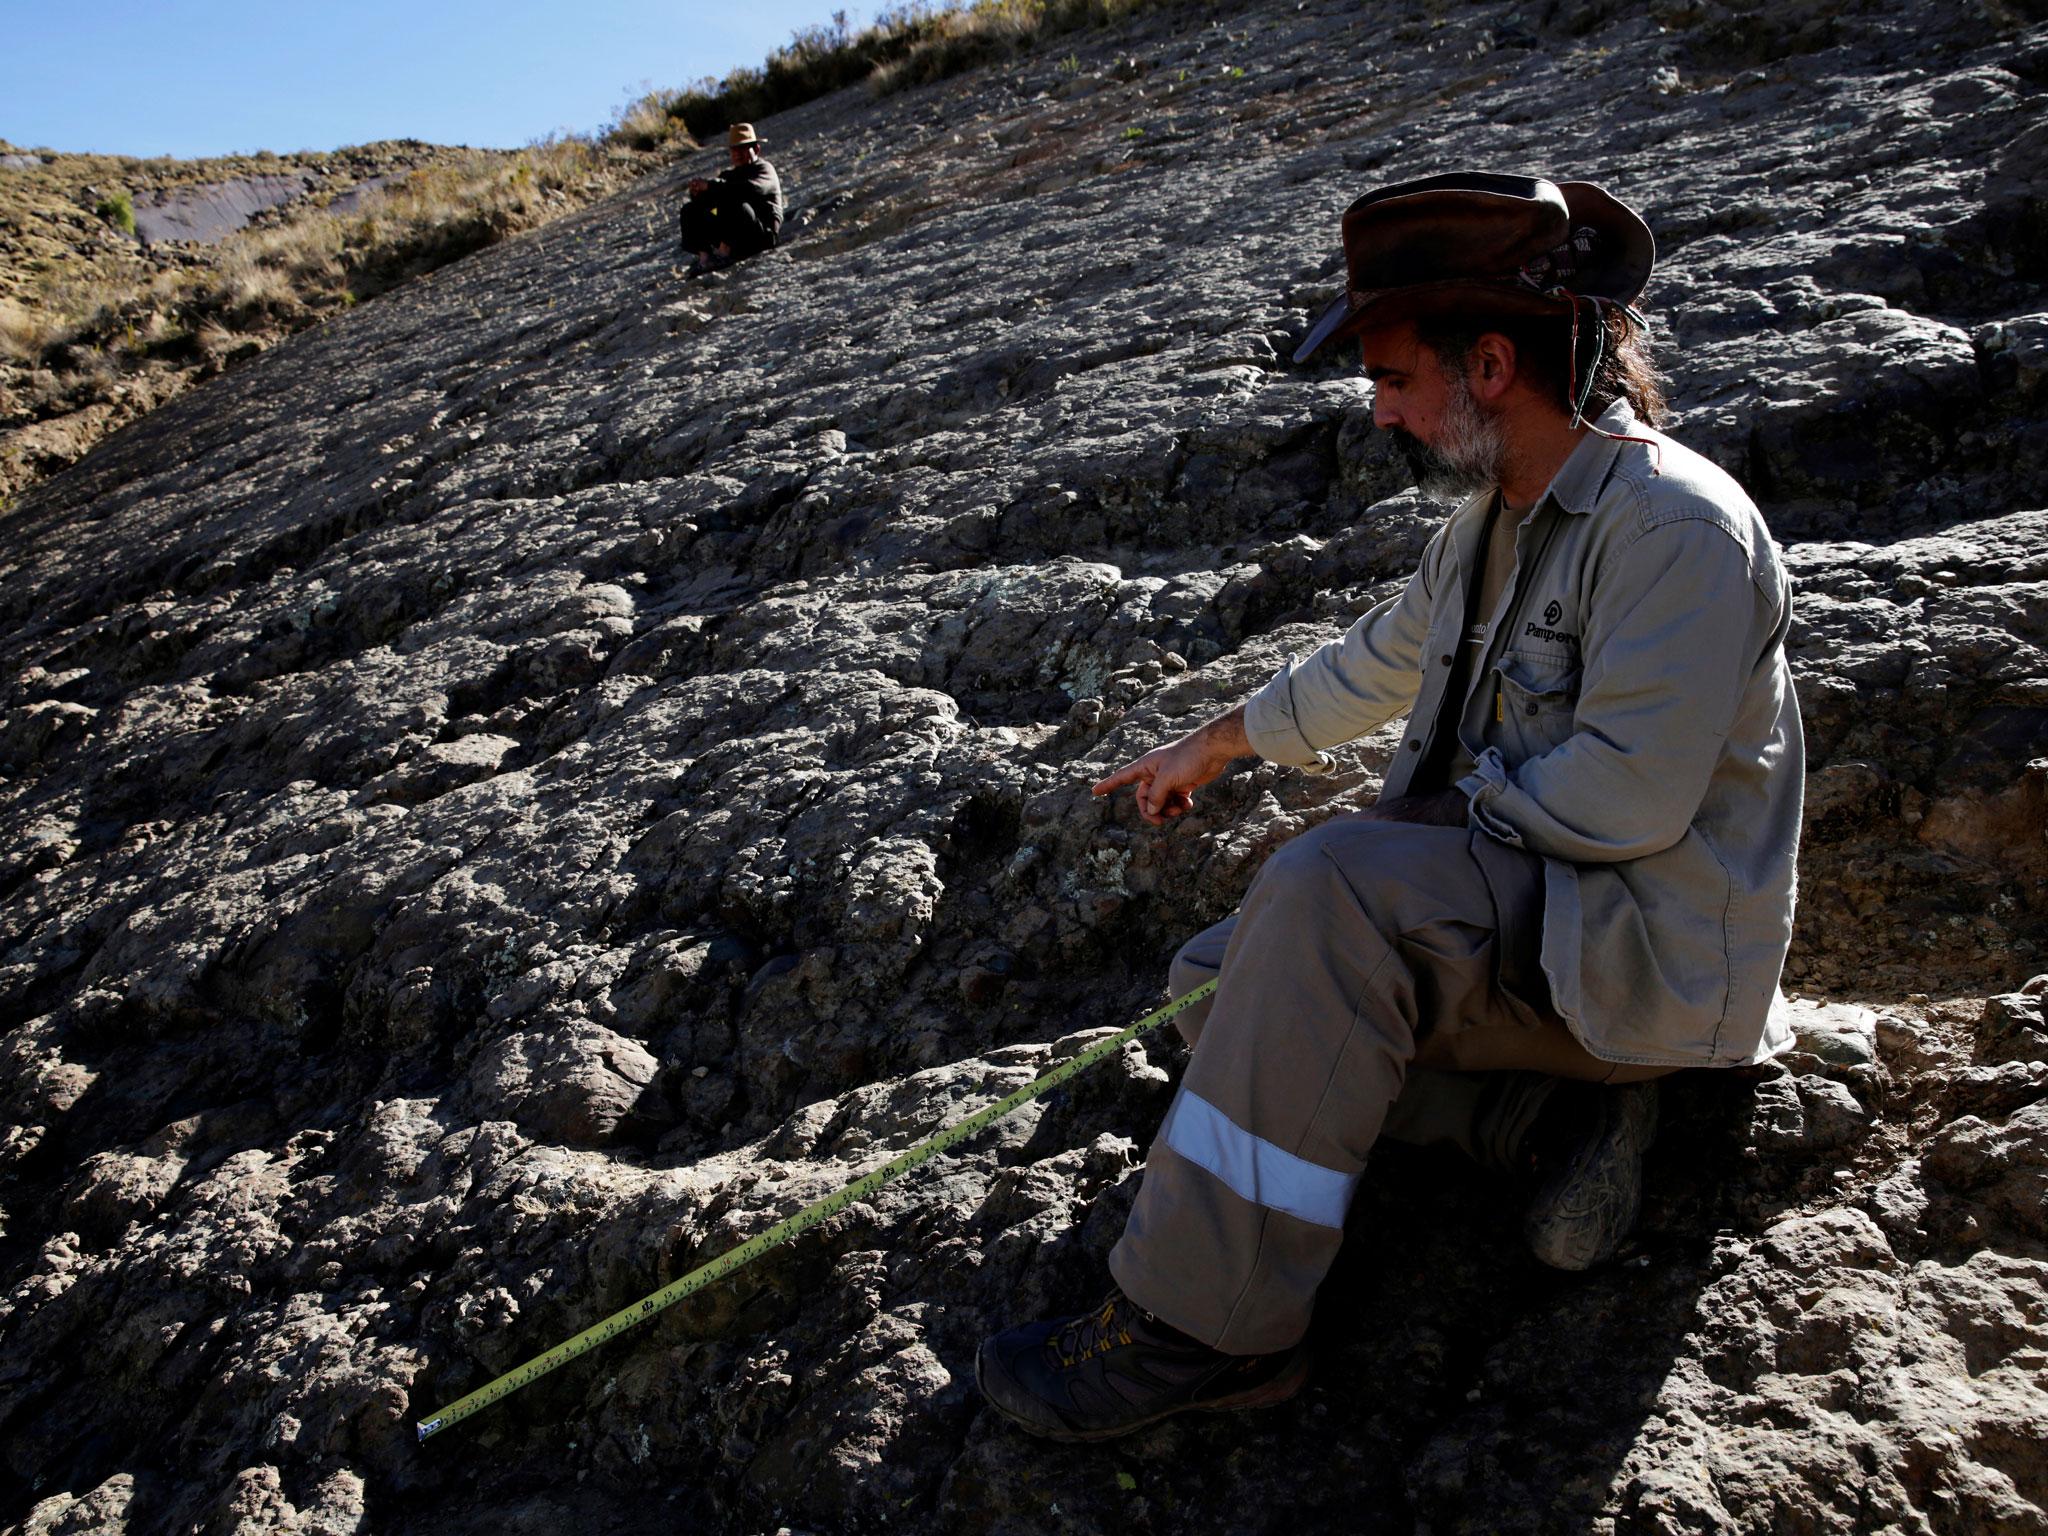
pixel 742 133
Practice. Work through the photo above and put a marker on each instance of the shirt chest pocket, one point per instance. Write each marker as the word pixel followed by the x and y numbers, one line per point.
pixel 1535 705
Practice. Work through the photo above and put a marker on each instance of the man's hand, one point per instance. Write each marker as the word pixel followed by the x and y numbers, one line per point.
pixel 1448 808
pixel 1167 777
pixel 699 186
pixel 724 249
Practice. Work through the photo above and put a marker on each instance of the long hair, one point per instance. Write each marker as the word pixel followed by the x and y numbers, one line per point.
pixel 1613 348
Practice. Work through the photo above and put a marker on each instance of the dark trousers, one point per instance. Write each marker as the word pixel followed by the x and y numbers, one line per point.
pixel 711 221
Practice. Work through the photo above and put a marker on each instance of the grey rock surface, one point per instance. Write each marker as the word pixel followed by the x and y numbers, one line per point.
pixel 1843 1034
pixel 515 791
pixel 214 211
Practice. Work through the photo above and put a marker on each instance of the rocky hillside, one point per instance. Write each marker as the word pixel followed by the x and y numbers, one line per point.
pixel 517 789
pixel 72 220
pixel 124 281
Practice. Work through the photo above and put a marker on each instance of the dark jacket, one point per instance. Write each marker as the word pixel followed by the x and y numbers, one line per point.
pixel 746 202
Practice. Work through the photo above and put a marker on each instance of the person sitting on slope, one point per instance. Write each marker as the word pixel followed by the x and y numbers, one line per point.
pixel 737 213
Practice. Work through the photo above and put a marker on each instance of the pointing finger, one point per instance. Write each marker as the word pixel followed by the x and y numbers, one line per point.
pixel 1130 773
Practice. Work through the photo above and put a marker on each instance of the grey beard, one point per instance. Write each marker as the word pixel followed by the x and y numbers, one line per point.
pixel 1468 455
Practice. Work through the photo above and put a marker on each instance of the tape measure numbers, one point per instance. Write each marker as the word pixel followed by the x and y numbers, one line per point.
pixel 752 1249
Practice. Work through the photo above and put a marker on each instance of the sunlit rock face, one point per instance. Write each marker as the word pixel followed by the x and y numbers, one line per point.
pixel 514 791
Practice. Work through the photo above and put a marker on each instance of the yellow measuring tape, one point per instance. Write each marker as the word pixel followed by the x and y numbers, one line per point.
pixel 736 1258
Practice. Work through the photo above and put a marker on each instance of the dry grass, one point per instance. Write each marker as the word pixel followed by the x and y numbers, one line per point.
pixel 649 122
pixel 303 250
pixel 67 343
pixel 912 44
pixel 970 35
pixel 72 312
pixel 281 275
pixel 26 334
pixel 247 293
pixel 959 40
pixel 815 62
pixel 214 339
pixel 434 216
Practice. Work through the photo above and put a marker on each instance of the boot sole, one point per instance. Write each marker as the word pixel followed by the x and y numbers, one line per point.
pixel 1266 1395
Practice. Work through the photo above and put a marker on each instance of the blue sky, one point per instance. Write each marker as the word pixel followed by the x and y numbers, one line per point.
pixel 210 77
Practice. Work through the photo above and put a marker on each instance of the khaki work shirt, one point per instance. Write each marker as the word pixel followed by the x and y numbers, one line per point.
pixel 1631 720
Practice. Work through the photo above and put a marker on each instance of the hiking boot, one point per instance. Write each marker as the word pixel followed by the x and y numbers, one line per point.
pixel 1590 1172
pixel 1119 1368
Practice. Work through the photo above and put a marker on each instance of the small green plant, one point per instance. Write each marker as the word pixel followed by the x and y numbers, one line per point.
pixel 1134 132
pixel 118 210
pixel 1071 64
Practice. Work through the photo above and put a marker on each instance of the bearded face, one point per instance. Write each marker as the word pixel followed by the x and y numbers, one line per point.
pixel 1470 450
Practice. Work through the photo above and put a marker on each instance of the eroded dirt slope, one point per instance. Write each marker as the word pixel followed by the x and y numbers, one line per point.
pixel 510 793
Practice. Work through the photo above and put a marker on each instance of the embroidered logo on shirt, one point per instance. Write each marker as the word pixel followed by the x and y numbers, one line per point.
pixel 1546 631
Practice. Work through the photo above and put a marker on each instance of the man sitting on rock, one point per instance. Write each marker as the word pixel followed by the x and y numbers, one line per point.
pixel 736 214
pixel 1579 872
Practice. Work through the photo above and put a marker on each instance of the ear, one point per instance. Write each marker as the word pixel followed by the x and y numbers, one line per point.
pixel 1490 367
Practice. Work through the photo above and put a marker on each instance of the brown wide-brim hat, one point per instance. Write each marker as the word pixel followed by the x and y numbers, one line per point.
pixel 742 133
pixel 1483 243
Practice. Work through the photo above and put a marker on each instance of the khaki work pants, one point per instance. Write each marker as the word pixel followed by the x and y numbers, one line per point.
pixel 1381 978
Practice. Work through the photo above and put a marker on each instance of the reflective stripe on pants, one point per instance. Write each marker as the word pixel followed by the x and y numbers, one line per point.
pixel 1356 938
